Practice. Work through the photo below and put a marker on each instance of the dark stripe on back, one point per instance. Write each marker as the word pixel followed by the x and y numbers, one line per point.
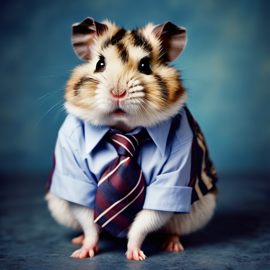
pixel 140 41
pixel 162 87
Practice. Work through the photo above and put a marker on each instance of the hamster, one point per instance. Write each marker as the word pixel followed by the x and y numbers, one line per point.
pixel 127 82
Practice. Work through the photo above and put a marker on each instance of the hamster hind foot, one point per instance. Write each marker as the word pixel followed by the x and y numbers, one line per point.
pixel 89 248
pixel 85 217
pixel 78 240
pixel 173 244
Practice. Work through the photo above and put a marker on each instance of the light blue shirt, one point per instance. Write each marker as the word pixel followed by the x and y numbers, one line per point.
pixel 81 157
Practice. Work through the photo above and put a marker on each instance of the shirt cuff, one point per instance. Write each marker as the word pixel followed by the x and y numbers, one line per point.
pixel 173 199
pixel 73 190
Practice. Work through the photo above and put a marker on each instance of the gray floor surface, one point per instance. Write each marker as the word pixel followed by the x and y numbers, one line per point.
pixel 238 237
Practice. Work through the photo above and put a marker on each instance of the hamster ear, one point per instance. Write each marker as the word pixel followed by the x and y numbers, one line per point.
pixel 173 39
pixel 84 35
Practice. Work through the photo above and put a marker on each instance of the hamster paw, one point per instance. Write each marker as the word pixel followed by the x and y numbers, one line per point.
pixel 89 249
pixel 135 254
pixel 78 240
pixel 173 244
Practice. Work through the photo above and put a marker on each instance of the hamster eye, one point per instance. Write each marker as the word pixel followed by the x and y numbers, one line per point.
pixel 144 66
pixel 100 64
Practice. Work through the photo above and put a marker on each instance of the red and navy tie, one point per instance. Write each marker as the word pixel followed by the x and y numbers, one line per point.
pixel 121 189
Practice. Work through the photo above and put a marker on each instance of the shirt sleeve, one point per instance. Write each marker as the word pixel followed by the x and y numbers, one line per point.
pixel 69 181
pixel 169 190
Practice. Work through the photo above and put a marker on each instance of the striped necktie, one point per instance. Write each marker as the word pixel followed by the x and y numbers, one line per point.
pixel 121 189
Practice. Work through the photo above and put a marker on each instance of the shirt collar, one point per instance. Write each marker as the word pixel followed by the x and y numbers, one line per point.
pixel 93 135
pixel 158 133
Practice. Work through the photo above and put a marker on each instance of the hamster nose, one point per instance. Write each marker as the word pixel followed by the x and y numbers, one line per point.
pixel 118 94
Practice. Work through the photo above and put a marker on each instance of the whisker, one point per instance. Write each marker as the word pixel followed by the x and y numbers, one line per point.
pixel 195 112
pixel 48 112
pixel 53 77
pixel 59 112
pixel 52 93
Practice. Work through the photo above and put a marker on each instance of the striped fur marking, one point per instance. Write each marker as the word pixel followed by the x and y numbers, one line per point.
pixel 115 38
pixel 81 83
pixel 140 41
pixel 124 56
pixel 123 52
pixel 162 87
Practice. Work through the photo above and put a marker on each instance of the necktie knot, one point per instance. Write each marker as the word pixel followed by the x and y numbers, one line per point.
pixel 126 145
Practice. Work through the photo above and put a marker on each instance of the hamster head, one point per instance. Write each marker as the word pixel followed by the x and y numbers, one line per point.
pixel 126 81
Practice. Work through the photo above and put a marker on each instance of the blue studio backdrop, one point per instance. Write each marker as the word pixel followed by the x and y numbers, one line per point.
pixel 225 68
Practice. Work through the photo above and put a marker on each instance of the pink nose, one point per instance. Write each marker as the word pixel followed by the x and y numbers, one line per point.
pixel 117 95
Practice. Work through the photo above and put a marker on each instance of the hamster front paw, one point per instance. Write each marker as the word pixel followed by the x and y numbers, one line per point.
pixel 89 248
pixel 136 254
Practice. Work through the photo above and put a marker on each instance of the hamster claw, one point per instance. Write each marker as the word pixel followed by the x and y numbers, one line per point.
pixel 89 249
pixel 135 254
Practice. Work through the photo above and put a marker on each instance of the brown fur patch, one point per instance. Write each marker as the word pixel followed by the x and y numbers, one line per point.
pixel 80 88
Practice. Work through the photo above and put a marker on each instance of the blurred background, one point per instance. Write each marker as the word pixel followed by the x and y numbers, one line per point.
pixel 225 68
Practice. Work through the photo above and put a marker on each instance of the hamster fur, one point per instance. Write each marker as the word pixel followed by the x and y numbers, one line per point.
pixel 127 82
